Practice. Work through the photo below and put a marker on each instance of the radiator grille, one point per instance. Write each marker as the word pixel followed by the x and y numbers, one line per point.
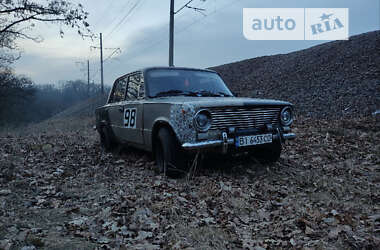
pixel 244 117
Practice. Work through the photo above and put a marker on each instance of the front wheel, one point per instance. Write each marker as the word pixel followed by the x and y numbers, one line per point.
pixel 167 152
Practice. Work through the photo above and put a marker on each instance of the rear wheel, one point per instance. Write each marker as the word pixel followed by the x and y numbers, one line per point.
pixel 106 139
pixel 168 153
pixel 268 153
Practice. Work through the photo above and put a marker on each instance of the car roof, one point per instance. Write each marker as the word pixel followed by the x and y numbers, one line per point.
pixel 175 68
pixel 163 67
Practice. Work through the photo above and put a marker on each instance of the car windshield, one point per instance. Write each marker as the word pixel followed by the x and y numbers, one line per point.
pixel 174 82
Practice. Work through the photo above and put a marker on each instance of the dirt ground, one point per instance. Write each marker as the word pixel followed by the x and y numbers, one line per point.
pixel 60 190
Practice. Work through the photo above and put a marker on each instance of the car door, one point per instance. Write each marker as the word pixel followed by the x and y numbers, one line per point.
pixel 115 110
pixel 133 110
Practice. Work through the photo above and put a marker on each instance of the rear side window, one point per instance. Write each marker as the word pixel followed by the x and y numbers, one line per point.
pixel 118 93
pixel 133 87
pixel 142 86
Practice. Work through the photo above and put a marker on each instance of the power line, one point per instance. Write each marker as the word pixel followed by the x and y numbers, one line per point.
pixel 164 28
pixel 172 13
pixel 117 50
pixel 162 39
pixel 81 65
pixel 106 10
pixel 153 44
pixel 189 7
pixel 184 28
pixel 123 9
pixel 125 17
pixel 114 52
pixel 210 14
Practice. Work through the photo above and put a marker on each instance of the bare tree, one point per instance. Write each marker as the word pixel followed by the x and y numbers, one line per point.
pixel 18 18
pixel 13 88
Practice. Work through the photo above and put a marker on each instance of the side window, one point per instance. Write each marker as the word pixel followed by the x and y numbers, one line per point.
pixel 142 87
pixel 133 87
pixel 119 89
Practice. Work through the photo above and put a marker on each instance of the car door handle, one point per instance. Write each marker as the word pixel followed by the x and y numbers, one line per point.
pixel 121 110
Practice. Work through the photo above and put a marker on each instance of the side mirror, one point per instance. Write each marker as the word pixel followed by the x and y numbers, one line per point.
pixel 236 94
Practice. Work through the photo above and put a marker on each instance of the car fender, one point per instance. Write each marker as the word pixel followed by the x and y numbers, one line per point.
pixel 181 120
pixel 159 123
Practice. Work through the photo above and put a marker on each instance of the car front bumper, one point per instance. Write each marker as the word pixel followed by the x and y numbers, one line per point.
pixel 225 142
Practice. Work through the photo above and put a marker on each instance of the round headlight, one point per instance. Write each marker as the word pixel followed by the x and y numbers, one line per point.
pixel 202 120
pixel 286 116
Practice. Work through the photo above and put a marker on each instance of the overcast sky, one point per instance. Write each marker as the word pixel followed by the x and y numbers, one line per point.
pixel 140 29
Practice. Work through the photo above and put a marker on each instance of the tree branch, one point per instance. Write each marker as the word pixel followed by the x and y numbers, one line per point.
pixel 17 18
pixel 17 22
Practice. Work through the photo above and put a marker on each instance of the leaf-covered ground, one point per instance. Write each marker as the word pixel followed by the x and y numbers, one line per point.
pixel 59 190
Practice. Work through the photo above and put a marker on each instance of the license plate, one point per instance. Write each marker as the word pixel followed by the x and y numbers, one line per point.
pixel 249 140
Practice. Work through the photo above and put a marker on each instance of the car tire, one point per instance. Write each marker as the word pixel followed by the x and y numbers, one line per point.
pixel 106 139
pixel 169 158
pixel 268 153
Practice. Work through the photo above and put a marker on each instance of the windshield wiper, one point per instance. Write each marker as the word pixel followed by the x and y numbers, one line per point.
pixel 176 92
pixel 168 93
pixel 224 94
pixel 209 93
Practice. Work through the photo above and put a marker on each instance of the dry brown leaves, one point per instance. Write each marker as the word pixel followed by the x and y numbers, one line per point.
pixel 58 189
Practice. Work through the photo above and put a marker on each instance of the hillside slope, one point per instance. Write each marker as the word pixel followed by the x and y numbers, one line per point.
pixel 83 109
pixel 335 79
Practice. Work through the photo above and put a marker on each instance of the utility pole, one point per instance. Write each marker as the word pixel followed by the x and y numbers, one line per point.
pixel 115 51
pixel 171 34
pixel 82 68
pixel 101 63
pixel 171 27
pixel 88 78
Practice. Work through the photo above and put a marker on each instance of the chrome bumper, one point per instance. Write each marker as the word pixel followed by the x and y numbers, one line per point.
pixel 225 142
pixel 206 144
pixel 290 136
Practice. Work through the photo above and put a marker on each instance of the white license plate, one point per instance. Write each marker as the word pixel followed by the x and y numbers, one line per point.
pixel 250 140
